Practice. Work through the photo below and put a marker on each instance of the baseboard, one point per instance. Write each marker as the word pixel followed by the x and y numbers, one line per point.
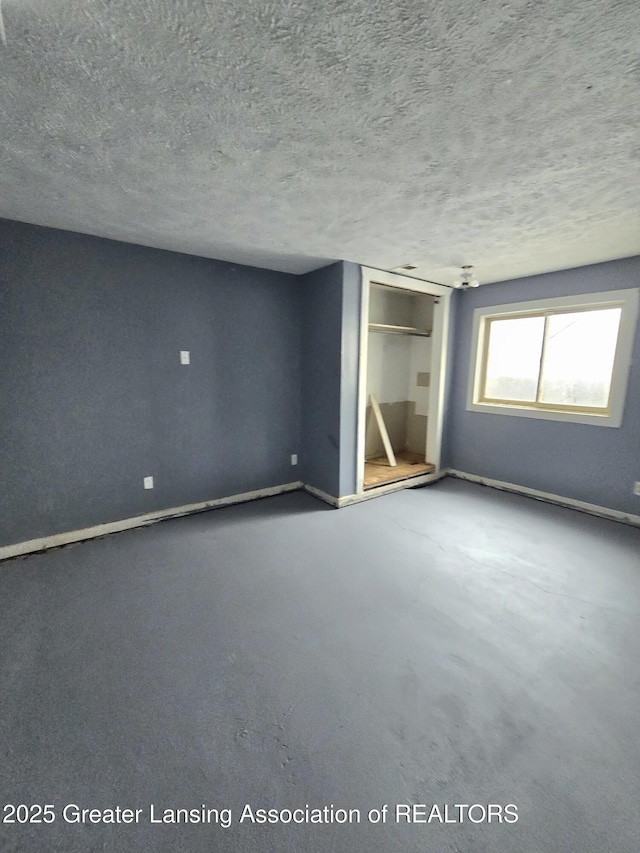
pixel 58 539
pixel 388 488
pixel 570 503
pixel 348 500
pixel 324 496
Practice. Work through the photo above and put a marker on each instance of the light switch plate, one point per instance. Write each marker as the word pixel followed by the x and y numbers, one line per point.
pixel 185 356
pixel 148 482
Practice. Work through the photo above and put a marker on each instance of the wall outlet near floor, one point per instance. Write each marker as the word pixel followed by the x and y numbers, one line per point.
pixel 148 482
pixel 185 356
pixel 636 488
pixel 294 458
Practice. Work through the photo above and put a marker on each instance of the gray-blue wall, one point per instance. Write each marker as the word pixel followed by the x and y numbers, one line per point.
pixel 587 463
pixel 92 394
pixel 93 397
pixel 330 353
pixel 321 377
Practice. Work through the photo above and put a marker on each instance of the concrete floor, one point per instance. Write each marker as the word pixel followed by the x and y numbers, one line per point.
pixel 444 645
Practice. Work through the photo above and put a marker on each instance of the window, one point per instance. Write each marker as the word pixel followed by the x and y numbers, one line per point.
pixel 566 358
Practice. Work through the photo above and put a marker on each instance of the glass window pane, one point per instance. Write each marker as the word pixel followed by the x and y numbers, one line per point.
pixel 513 360
pixel 579 355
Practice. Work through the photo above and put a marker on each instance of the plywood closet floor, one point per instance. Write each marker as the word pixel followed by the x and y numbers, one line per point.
pixel 378 471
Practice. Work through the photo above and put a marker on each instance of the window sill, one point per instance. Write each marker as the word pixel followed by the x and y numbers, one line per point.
pixel 547 414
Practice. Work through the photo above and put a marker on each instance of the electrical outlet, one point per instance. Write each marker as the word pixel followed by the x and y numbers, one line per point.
pixel 636 488
pixel 148 482
pixel 294 458
pixel 185 356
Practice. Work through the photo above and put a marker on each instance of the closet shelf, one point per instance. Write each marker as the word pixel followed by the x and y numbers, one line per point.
pixel 399 330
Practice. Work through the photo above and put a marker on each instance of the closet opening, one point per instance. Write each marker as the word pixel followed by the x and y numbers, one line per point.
pixel 399 381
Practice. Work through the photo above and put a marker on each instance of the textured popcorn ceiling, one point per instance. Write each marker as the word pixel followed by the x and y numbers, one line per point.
pixel 287 134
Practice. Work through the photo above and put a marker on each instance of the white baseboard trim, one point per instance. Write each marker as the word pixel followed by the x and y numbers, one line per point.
pixel 7 552
pixel 348 500
pixel 324 496
pixel 58 539
pixel 570 503
pixel 387 489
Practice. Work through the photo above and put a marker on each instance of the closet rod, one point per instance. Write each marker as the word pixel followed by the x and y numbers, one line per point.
pixel 399 330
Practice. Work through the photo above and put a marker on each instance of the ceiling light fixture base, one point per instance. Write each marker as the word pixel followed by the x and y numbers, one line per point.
pixel 466 279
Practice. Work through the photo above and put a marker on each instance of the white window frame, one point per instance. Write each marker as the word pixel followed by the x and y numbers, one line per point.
pixel 627 300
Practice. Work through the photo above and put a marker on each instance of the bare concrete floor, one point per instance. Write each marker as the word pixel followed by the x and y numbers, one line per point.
pixel 445 645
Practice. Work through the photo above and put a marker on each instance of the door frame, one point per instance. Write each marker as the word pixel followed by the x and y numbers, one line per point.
pixel 439 347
